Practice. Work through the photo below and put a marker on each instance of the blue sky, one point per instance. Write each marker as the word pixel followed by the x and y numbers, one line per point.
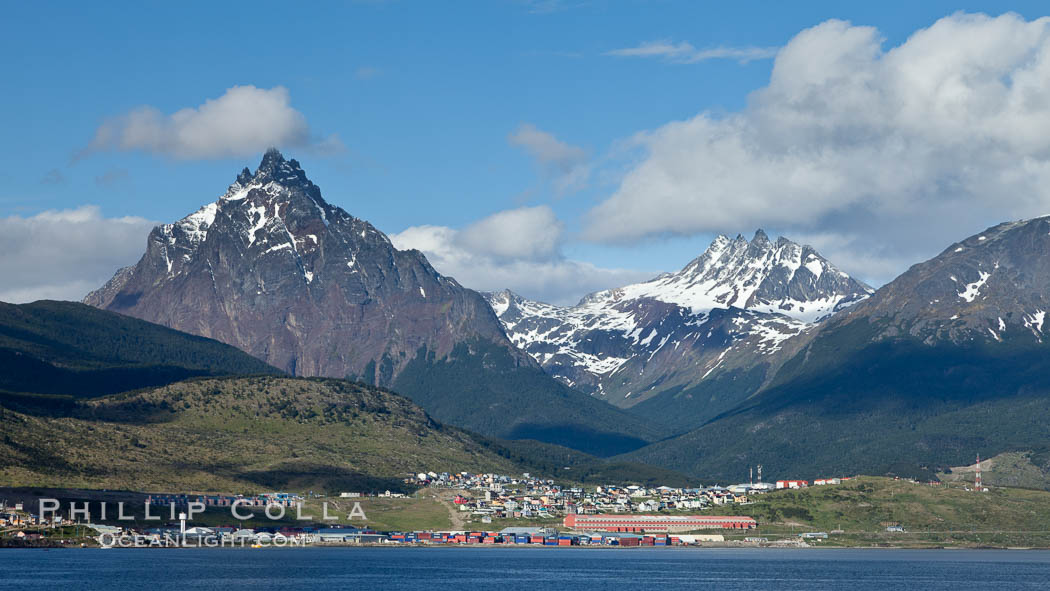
pixel 424 99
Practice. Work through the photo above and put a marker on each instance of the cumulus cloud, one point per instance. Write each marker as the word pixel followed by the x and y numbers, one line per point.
pixel 517 249
pixel 65 254
pixel 684 52
pixel 243 121
pixel 531 233
pixel 897 152
pixel 564 165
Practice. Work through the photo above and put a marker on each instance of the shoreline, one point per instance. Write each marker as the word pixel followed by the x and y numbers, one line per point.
pixel 512 547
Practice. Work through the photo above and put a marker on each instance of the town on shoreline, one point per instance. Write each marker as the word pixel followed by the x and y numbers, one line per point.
pixel 480 509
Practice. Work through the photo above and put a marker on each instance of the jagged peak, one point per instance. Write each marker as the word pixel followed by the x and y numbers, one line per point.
pixel 275 178
pixel 718 246
pixel 275 168
pixel 504 294
pixel 272 158
pixel 275 174
pixel 503 300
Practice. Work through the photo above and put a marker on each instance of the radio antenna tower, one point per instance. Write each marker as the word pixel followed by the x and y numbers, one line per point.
pixel 978 486
pixel 751 475
pixel 760 472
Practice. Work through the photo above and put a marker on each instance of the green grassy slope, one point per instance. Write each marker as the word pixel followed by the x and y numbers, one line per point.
pixel 68 348
pixel 931 515
pixel 1022 469
pixel 234 435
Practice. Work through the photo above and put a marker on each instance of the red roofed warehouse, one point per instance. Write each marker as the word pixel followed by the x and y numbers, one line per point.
pixel 656 523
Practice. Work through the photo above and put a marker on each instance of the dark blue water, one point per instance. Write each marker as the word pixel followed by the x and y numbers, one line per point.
pixel 510 569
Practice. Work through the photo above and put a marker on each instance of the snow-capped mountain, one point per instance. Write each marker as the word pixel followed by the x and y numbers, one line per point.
pixel 950 357
pixel 271 268
pixel 992 286
pixel 725 313
pixel 780 278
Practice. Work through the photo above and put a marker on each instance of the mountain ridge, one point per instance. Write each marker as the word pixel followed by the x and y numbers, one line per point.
pixel 696 340
pixel 70 349
pixel 944 362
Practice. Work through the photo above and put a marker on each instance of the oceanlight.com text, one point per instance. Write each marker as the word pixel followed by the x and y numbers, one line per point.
pixel 169 540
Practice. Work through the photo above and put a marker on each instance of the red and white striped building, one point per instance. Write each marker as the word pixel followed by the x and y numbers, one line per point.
pixel 656 523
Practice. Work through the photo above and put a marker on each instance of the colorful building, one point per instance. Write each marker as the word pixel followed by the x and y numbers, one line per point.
pixel 656 523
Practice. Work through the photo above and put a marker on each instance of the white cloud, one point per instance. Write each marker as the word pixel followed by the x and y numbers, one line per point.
pixel 531 233
pixel 909 148
pixel 65 254
pixel 243 121
pixel 517 249
pixel 873 263
pixel 684 52
pixel 565 165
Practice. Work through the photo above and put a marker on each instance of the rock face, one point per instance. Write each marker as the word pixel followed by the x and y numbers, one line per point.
pixel 719 319
pixel 274 270
pixel 994 286
pixel 948 360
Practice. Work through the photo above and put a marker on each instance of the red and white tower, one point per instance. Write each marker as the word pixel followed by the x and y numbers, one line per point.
pixel 978 486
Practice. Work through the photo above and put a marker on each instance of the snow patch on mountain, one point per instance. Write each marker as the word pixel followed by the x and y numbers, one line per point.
pixel 257 217
pixel 1034 322
pixel 974 289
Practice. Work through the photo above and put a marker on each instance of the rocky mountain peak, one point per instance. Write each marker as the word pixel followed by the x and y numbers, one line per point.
pixel 271 246
pixel 503 300
pixel 988 287
pixel 274 168
pixel 274 174
pixel 272 158
pixel 728 310
pixel 276 210
pixel 779 277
